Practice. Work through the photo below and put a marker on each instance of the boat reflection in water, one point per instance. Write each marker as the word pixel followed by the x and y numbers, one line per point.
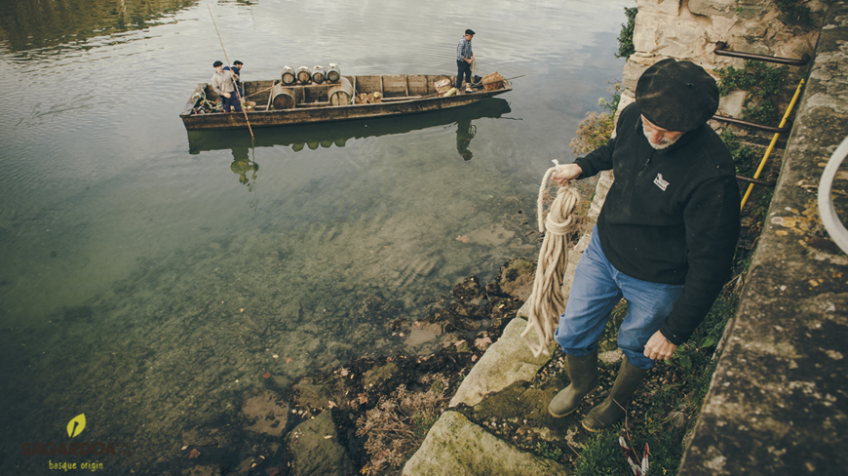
pixel 313 136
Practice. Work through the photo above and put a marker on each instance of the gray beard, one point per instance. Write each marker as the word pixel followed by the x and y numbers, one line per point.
pixel 664 143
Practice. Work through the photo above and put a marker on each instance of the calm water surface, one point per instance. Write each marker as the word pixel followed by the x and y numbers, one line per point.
pixel 147 275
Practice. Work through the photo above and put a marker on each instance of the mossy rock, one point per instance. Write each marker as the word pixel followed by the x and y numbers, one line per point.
pixel 516 278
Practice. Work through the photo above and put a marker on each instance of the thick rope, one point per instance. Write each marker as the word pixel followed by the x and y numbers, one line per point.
pixel 546 300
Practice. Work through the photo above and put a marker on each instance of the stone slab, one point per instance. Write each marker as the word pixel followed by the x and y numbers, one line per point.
pixel 455 446
pixel 507 361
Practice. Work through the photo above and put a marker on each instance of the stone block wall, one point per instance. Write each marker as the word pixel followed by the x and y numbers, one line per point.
pixel 689 30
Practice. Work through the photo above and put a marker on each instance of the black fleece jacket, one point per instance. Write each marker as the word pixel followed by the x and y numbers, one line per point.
pixel 671 216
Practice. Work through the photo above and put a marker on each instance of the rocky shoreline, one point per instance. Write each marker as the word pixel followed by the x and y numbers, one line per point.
pixel 368 416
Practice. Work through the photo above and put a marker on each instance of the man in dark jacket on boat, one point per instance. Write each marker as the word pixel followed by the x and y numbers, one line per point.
pixel 236 70
pixel 664 241
pixel 464 58
pixel 222 84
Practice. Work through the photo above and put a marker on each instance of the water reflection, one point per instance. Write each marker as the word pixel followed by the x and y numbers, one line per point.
pixel 242 165
pixel 31 24
pixel 314 136
pixel 465 131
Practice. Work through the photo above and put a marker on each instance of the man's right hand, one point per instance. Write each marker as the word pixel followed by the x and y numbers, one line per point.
pixel 226 95
pixel 564 173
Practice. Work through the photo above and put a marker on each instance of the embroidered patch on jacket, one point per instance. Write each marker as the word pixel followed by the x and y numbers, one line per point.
pixel 659 182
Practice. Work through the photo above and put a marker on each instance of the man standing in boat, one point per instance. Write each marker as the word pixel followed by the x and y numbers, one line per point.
pixel 222 84
pixel 464 58
pixel 236 70
pixel 664 241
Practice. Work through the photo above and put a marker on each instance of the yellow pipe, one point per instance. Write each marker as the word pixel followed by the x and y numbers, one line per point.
pixel 773 142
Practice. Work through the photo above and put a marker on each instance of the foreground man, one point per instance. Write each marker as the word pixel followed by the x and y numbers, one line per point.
pixel 664 241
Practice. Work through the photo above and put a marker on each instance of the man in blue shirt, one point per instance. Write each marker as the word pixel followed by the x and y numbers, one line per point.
pixel 464 58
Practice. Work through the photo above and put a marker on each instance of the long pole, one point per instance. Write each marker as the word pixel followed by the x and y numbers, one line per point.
pixel 235 86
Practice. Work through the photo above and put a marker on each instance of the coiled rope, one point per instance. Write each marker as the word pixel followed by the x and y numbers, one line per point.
pixel 546 300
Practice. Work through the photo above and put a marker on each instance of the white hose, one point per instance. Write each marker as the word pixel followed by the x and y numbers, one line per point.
pixel 826 209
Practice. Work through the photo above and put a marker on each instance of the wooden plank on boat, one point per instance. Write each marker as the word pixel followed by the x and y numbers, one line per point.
pixel 401 98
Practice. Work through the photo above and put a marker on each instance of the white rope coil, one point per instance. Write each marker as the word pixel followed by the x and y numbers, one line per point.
pixel 546 299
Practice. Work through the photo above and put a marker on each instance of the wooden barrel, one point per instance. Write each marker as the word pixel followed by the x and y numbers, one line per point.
pixel 288 75
pixel 318 74
pixel 340 94
pixel 303 74
pixel 283 98
pixel 333 74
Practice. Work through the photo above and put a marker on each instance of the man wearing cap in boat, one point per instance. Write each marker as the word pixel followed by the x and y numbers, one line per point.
pixel 464 58
pixel 222 84
pixel 236 70
pixel 664 240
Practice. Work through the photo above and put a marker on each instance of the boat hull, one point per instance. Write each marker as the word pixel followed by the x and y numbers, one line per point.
pixel 307 114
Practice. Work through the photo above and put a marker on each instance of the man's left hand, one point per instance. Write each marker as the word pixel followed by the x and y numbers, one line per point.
pixel 658 347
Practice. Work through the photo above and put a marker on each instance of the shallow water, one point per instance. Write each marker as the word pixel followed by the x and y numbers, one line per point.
pixel 148 275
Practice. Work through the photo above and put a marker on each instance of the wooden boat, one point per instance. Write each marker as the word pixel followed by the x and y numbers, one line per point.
pixel 278 104
pixel 312 136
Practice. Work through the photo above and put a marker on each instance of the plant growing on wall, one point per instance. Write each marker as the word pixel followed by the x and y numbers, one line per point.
pixel 794 11
pixel 625 38
pixel 762 83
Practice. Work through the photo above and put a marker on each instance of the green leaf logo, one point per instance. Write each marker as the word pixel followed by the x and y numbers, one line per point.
pixel 76 425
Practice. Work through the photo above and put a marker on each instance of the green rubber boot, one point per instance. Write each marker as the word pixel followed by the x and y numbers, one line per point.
pixel 612 408
pixel 583 372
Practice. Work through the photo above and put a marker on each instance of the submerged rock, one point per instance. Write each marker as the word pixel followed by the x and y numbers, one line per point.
pixel 266 413
pixel 315 449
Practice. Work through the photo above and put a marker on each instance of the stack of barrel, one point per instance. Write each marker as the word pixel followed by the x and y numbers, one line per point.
pixel 338 95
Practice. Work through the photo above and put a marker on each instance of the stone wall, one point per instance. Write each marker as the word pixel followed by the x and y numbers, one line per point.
pixel 689 30
pixel 778 401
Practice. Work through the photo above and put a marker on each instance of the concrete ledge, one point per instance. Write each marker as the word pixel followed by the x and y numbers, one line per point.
pixel 778 402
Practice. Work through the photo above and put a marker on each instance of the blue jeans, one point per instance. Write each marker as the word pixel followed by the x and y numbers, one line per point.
pixel 597 288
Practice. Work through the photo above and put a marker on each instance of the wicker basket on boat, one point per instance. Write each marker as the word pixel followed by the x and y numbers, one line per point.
pixel 443 85
pixel 492 81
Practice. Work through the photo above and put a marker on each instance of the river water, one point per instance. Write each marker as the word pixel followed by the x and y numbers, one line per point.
pixel 149 276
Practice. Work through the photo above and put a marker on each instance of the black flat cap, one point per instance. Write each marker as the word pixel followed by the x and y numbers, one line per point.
pixel 469 32
pixel 677 95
